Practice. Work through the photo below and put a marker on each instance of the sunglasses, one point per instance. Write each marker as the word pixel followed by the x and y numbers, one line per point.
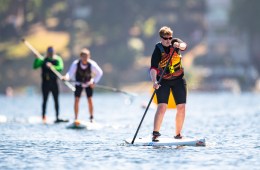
pixel 170 38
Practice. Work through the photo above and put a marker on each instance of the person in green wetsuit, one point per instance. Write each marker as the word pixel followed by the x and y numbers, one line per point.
pixel 49 80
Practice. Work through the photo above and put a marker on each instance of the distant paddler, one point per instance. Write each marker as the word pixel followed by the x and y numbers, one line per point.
pixel 49 80
pixel 85 72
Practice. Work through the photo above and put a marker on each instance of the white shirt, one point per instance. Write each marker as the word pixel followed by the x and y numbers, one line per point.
pixel 96 71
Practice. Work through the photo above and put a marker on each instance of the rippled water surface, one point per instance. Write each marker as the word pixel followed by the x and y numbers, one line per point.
pixel 229 122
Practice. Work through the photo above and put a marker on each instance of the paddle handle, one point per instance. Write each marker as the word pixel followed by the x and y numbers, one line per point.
pixel 38 55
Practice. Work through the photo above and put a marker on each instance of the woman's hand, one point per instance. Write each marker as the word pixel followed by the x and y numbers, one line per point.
pixel 156 85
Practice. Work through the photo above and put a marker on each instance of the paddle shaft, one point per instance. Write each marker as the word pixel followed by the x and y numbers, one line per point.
pixel 109 88
pixel 38 55
pixel 113 89
pixel 160 79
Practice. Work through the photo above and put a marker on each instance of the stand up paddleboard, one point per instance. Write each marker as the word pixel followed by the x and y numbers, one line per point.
pixel 3 119
pixel 167 142
pixel 84 125
pixel 38 120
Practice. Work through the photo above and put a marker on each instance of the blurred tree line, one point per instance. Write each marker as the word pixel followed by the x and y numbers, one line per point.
pixel 117 32
pixel 244 16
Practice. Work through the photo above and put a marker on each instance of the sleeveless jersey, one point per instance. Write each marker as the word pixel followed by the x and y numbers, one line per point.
pixel 83 75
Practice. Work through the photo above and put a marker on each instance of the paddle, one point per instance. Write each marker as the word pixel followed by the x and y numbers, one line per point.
pixel 108 88
pixel 160 79
pixel 38 55
pixel 131 95
pixel 114 90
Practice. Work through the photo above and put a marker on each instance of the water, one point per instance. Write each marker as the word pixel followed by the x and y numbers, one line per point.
pixel 229 122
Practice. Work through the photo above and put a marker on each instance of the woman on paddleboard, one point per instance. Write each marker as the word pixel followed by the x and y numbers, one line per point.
pixel 86 74
pixel 49 80
pixel 172 79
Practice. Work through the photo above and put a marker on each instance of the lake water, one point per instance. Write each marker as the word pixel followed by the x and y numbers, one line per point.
pixel 229 122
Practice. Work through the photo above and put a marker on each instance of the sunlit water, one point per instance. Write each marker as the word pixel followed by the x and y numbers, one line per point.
pixel 229 122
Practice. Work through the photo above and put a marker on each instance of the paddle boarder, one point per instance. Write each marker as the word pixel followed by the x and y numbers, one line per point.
pixel 172 79
pixel 49 80
pixel 86 73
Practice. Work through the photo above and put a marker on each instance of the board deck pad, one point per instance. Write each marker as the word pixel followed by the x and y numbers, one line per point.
pixel 166 141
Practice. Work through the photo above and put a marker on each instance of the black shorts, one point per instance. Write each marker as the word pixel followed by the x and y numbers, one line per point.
pixel 178 88
pixel 89 91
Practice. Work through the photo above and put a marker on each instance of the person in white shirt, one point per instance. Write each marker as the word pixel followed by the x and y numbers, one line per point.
pixel 86 73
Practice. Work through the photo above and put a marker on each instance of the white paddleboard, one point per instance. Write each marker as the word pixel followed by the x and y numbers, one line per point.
pixel 163 141
pixel 38 120
pixel 3 119
pixel 85 125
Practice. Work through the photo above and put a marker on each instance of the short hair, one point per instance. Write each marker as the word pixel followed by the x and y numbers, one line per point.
pixel 85 51
pixel 50 49
pixel 165 31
